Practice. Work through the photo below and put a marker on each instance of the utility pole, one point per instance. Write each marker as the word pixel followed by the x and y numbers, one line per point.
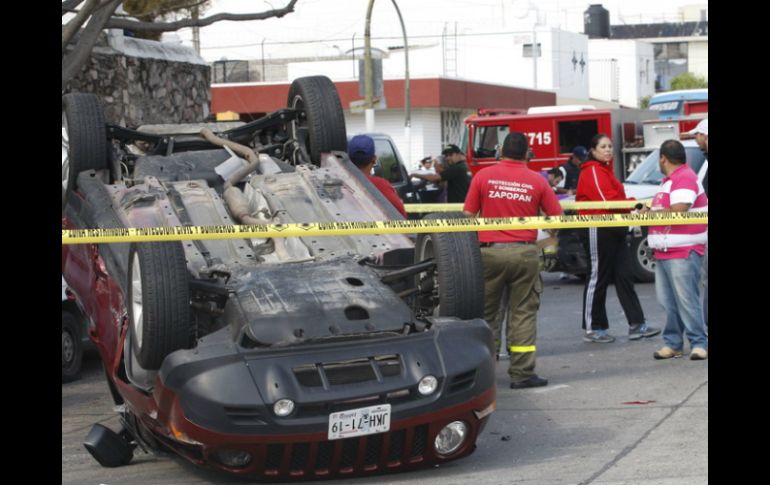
pixel 264 74
pixel 407 93
pixel 196 30
pixel 368 101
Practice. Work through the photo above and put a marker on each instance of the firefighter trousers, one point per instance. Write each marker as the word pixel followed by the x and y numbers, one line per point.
pixel 512 281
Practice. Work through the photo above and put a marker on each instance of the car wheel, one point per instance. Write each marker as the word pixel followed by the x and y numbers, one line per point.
pixel 320 123
pixel 83 137
pixel 158 301
pixel 71 348
pixel 642 260
pixel 456 287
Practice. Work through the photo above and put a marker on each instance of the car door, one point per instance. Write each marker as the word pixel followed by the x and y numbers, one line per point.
pixel 390 167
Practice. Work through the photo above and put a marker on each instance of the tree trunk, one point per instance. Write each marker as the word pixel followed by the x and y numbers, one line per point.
pixel 74 61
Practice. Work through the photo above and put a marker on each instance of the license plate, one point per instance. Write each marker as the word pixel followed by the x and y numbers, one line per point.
pixel 359 422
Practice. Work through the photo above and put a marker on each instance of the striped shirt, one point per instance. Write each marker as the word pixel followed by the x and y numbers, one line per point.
pixel 676 242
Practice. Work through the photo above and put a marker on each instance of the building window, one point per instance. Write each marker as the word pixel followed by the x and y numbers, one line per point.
pixel 452 128
pixel 527 50
pixel 670 61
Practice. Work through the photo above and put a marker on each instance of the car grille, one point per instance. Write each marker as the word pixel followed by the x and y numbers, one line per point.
pixel 348 456
pixel 354 371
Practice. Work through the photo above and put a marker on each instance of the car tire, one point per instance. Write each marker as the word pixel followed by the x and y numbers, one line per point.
pixel 642 260
pixel 84 137
pixel 458 275
pixel 71 348
pixel 320 125
pixel 158 301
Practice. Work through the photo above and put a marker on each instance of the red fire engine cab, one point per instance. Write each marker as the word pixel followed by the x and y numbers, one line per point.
pixel 553 132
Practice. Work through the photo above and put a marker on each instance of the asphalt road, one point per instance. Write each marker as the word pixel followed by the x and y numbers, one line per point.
pixel 611 415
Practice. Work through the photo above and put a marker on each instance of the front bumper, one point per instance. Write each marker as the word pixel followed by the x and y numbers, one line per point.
pixel 407 446
pixel 208 404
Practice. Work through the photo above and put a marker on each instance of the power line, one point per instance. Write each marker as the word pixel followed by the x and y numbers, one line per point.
pixel 314 41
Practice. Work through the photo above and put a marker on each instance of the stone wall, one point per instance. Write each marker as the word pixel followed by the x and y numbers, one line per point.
pixel 144 90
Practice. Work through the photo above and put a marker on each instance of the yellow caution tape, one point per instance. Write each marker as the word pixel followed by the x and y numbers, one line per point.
pixel 188 233
pixel 566 205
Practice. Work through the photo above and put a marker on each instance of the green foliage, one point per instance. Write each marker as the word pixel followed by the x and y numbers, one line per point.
pixel 150 10
pixel 688 80
pixel 644 102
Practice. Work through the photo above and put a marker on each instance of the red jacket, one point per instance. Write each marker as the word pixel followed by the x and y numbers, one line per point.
pixel 597 182
pixel 389 192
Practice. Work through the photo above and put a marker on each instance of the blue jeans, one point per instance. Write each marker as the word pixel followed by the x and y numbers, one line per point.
pixel 706 287
pixel 676 285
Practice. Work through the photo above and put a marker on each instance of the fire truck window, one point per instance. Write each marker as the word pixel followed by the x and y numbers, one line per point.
pixel 574 133
pixel 487 139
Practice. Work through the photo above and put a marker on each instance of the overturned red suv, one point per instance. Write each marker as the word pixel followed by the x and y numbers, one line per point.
pixel 276 358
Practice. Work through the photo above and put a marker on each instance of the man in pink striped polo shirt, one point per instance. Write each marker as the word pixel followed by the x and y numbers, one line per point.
pixel 679 253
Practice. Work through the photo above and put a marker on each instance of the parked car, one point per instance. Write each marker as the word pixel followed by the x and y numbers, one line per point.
pixel 74 336
pixel 644 183
pixel 283 358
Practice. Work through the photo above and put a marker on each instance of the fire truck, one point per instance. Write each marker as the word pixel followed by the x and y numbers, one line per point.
pixel 554 131
pixel 680 104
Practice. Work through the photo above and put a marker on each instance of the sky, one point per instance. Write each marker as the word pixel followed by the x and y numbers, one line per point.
pixel 323 27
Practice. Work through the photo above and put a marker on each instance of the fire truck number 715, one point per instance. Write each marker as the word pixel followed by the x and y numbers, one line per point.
pixel 540 138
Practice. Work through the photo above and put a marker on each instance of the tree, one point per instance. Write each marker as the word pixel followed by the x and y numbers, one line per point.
pixel 151 10
pixel 100 15
pixel 688 80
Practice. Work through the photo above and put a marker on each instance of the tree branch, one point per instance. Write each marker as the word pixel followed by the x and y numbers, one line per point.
pixel 76 59
pixel 68 6
pixel 116 23
pixel 71 27
pixel 163 11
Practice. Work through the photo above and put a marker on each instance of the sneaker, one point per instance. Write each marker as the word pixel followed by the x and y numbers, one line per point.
pixel 667 353
pixel 635 332
pixel 599 337
pixel 534 381
pixel 698 353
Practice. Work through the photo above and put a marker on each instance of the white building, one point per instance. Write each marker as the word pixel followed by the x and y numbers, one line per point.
pixel 622 71
pixel 502 58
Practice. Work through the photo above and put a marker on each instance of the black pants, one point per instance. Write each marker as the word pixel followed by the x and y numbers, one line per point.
pixel 609 262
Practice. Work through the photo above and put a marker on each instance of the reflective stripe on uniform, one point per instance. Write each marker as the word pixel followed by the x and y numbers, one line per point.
pixel 522 349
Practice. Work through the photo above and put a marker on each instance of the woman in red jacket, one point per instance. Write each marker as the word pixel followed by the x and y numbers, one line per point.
pixel 608 251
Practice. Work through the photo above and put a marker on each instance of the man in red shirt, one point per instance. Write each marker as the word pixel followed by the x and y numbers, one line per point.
pixel 361 152
pixel 511 259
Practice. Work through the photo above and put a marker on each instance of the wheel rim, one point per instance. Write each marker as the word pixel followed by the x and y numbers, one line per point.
pixel 136 300
pixel 67 348
pixel 65 151
pixel 300 123
pixel 426 252
pixel 298 105
pixel 645 257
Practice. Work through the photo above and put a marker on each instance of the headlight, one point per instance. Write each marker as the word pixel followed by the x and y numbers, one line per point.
pixel 451 437
pixel 283 407
pixel 427 385
pixel 233 458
